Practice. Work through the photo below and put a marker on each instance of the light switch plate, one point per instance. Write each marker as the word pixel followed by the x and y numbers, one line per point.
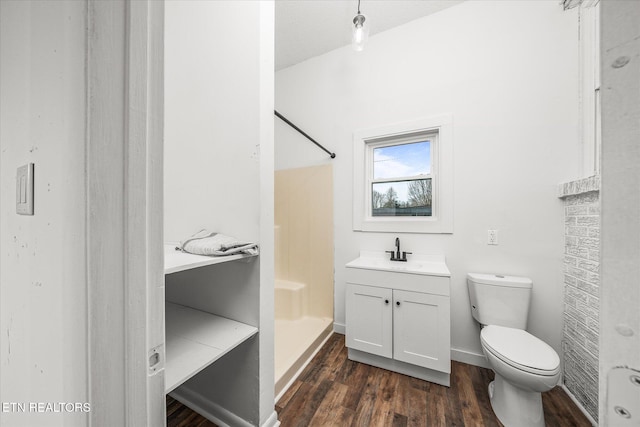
pixel 24 190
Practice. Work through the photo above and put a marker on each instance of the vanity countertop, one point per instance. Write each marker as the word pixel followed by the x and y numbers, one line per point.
pixel 424 264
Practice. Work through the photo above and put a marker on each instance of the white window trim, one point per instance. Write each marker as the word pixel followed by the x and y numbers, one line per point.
pixel 589 30
pixel 441 220
pixel 370 145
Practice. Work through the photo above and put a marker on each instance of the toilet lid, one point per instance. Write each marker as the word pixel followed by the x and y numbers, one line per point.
pixel 520 349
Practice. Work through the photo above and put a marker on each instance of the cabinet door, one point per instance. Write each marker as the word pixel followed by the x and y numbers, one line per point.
pixel 421 330
pixel 369 318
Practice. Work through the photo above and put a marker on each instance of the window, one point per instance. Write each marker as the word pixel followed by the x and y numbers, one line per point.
pixel 400 176
pixel 403 177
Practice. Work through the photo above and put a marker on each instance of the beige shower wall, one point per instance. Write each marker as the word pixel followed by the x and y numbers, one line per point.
pixel 304 233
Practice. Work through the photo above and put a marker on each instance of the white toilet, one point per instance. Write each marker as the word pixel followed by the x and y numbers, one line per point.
pixel 525 366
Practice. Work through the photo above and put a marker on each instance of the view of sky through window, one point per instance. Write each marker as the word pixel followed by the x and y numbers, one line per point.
pixel 400 161
pixel 404 160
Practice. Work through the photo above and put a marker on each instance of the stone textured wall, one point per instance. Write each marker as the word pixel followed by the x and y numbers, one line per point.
pixel 581 290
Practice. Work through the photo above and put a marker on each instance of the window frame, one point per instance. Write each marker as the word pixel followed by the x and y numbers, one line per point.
pixel 365 140
pixel 589 44
pixel 372 144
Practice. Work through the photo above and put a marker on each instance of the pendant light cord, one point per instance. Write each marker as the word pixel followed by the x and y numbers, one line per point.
pixel 358 7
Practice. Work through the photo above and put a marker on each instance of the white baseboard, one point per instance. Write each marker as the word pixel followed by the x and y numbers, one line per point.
pixel 339 328
pixel 469 358
pixel 579 405
pixel 211 410
pixel 272 421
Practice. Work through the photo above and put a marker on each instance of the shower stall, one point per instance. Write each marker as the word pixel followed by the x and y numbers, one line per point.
pixel 304 267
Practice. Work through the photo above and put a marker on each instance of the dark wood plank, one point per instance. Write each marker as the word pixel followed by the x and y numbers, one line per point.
pixel 453 410
pixel 286 397
pixel 562 399
pixel 561 411
pixel 471 414
pixel 401 405
pixel 399 420
pixel 324 364
pixel 295 407
pixel 437 403
pixel 331 410
pixel 333 391
pixel 383 413
pixel 480 378
pixel 354 375
pixel 416 412
pixel 172 406
pixel 419 384
pixel 179 415
pixel 335 359
pixel 364 410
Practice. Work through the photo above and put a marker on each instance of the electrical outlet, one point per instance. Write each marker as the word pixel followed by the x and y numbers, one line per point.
pixel 492 237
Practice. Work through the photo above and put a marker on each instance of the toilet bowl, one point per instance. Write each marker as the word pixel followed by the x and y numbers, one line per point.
pixel 524 365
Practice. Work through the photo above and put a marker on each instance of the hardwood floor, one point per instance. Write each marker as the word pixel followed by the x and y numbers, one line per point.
pixel 334 391
pixel 179 415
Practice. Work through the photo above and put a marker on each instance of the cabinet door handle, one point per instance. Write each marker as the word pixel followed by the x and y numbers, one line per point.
pixel 386 301
pixel 398 303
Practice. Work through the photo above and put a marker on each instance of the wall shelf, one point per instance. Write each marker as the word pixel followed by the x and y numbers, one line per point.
pixel 175 261
pixel 195 339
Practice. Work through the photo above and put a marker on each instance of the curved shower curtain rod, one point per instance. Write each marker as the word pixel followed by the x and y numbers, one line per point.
pixel 284 119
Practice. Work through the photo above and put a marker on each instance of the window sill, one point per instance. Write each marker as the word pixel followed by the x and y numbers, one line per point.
pixel 406 225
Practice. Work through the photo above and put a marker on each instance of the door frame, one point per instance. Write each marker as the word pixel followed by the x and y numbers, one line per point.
pixel 125 274
pixel 620 204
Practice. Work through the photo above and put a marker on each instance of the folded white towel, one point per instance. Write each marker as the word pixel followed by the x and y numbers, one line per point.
pixel 205 242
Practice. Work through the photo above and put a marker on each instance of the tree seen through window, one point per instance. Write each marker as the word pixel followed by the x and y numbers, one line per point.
pixel 402 183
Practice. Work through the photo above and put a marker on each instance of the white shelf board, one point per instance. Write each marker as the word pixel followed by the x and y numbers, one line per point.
pixel 195 339
pixel 175 261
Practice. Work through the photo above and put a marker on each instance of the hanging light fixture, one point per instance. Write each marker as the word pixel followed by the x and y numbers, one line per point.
pixel 360 31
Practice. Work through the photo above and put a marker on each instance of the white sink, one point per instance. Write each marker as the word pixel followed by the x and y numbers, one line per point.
pixel 425 264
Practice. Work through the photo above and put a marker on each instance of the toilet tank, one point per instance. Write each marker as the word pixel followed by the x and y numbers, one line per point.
pixel 499 300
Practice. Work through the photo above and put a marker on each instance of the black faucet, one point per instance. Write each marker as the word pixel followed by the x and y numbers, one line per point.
pixel 396 256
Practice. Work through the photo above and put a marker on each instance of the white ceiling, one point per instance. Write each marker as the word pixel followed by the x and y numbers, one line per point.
pixel 308 28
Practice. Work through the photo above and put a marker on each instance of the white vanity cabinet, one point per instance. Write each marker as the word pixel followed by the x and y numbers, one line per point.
pixel 369 319
pixel 398 317
pixel 421 333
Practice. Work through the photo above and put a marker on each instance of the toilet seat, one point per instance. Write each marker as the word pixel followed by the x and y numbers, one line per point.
pixel 521 350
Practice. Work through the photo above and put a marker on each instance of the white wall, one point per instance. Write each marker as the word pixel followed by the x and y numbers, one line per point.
pixel 43 307
pixel 211 124
pixel 507 71
pixel 219 176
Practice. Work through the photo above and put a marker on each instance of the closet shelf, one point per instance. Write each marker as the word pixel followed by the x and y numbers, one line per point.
pixel 195 339
pixel 175 261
